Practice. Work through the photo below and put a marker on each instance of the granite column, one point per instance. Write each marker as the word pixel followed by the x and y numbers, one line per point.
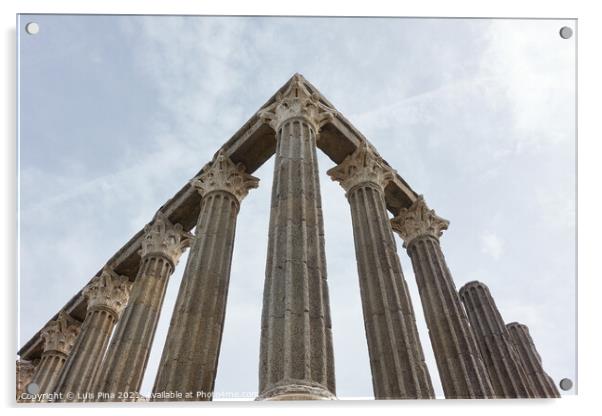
pixel 461 369
pixel 191 351
pixel 123 368
pixel 396 357
pixel 542 384
pixel 296 357
pixel 506 372
pixel 106 295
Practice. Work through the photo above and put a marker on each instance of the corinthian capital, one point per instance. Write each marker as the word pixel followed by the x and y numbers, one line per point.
pixel 363 165
pixel 163 238
pixel 59 335
pixel 297 102
pixel 109 291
pixel 418 220
pixel 223 175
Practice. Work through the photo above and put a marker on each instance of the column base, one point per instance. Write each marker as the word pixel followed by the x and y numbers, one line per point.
pixel 296 392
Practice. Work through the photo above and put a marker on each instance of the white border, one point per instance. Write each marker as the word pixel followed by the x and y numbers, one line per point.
pixel 589 202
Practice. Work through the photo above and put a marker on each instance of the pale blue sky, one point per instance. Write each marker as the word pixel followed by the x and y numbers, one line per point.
pixel 117 113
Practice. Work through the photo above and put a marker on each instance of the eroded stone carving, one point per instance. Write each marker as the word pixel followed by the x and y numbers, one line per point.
pixel 165 239
pixel 418 220
pixel 224 175
pixel 363 165
pixel 25 372
pixel 109 291
pixel 297 102
pixel 59 335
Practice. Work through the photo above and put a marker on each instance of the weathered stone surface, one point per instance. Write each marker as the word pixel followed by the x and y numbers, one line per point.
pixel 191 352
pixel 505 368
pixel 396 358
pixel 542 384
pixel 296 359
pixel 253 144
pixel 59 337
pixel 107 295
pixel 25 372
pixel 125 362
pixel 461 369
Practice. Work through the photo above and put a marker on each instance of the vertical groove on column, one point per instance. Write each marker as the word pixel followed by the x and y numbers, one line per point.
pixel 190 356
pixel 461 369
pixel 396 357
pixel 124 365
pixel 48 371
pixel 296 340
pixel 542 384
pixel 506 372
pixel 80 370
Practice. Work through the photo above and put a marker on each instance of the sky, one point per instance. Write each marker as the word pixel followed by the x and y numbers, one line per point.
pixel 116 113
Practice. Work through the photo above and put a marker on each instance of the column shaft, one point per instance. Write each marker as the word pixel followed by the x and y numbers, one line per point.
pixel 396 357
pixel 80 369
pixel 59 336
pixel 461 369
pixel 122 370
pixel 542 384
pixel 506 372
pixel 296 359
pixel 191 352
pixel 106 295
pixel 49 370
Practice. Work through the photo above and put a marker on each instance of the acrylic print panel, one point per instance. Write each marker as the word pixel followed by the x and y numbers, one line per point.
pixel 240 208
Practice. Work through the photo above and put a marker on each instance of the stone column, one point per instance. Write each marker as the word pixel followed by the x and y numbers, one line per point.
pixel 506 372
pixel 542 384
pixel 396 357
pixel 461 369
pixel 191 351
pixel 127 356
pixel 25 372
pixel 59 336
pixel 106 295
pixel 296 359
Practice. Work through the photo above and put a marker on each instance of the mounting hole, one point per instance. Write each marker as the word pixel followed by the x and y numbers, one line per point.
pixel 566 32
pixel 32 28
pixel 32 388
pixel 566 384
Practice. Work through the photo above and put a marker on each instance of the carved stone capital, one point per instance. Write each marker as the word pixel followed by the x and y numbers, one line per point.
pixel 418 220
pixel 59 335
pixel 362 166
pixel 165 239
pixel 297 102
pixel 108 291
pixel 223 175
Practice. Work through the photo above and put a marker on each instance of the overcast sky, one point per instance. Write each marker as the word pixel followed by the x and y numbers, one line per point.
pixel 117 113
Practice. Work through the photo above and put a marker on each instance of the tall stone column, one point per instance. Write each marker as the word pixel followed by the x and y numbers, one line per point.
pixel 506 372
pixel 59 336
pixel 123 367
pixel 396 358
pixel 25 372
pixel 191 351
pixel 106 295
pixel 461 369
pixel 296 359
pixel 542 384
